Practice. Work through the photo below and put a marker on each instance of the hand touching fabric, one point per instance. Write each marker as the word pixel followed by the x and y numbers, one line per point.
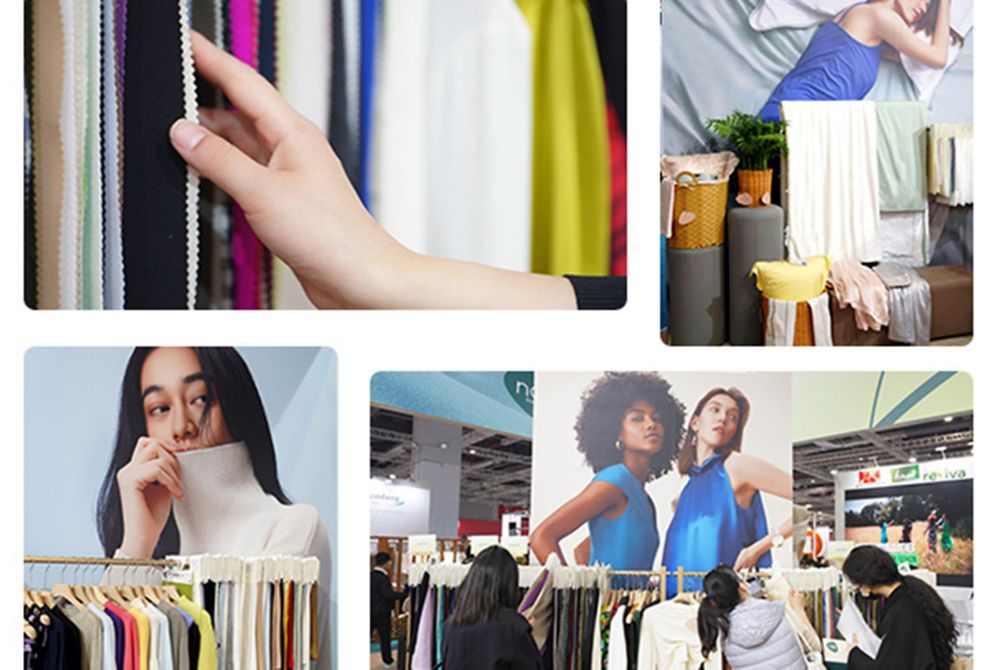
pixel 279 167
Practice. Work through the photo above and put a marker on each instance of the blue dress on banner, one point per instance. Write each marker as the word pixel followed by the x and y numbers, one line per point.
pixel 709 527
pixel 834 66
pixel 629 541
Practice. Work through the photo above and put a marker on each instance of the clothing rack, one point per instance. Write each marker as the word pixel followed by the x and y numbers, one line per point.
pixel 123 562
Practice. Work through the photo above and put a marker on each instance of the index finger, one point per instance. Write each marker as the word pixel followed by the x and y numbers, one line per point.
pixel 252 95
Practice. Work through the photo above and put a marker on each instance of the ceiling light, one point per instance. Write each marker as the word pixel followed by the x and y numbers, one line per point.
pixel 949 419
pixel 941 449
pixel 913 459
pixel 472 451
pixel 444 445
pixel 833 471
pixel 392 477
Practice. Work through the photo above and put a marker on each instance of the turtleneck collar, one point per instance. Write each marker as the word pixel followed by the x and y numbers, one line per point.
pixel 221 494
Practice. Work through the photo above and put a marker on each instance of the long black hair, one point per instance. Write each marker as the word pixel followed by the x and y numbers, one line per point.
pixel 604 404
pixel 722 594
pixel 870 566
pixel 231 385
pixel 490 586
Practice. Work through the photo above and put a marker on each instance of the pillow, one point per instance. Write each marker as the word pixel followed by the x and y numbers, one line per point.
pixel 781 280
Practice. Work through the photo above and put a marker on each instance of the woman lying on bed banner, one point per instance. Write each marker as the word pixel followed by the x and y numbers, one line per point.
pixel 841 61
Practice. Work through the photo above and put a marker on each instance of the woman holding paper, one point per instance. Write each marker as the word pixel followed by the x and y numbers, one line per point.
pixel 917 629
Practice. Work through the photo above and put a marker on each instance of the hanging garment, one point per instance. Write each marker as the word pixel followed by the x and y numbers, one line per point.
pixel 571 199
pixel 628 541
pixel 142 627
pixel 779 331
pixel 114 270
pixel 91 634
pixel 451 144
pixel 537 608
pixel 422 646
pixel 207 659
pixel 130 636
pixel 108 641
pixel 91 293
pixel 609 20
pixel 305 30
pixel 46 148
pixel 909 303
pixel 369 22
pixel 178 636
pixel 858 287
pixel 905 237
pixel 902 156
pixel 709 528
pixel 950 172
pixel 155 214
pixel 669 639
pixel 619 196
pixel 834 66
pixel 832 180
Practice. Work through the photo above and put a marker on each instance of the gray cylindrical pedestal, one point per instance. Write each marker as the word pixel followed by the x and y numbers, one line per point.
pixel 754 234
pixel 697 290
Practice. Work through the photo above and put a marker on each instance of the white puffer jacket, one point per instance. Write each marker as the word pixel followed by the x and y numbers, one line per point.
pixel 761 639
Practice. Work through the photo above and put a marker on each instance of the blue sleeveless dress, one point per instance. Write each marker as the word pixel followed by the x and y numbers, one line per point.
pixel 629 541
pixel 834 66
pixel 709 527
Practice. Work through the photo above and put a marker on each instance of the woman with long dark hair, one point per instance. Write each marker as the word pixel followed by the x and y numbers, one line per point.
pixel 485 632
pixel 754 634
pixel 194 470
pixel 628 429
pixel 719 516
pixel 917 629
pixel 842 59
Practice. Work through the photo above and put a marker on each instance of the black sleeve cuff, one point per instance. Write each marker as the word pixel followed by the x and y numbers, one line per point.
pixel 598 292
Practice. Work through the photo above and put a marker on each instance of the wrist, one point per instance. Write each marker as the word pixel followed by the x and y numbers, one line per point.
pixel 137 547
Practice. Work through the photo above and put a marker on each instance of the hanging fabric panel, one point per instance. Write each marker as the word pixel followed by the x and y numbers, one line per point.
pixel 571 212
pixel 155 229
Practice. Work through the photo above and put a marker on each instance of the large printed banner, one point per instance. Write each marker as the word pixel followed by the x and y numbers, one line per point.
pixel 639 470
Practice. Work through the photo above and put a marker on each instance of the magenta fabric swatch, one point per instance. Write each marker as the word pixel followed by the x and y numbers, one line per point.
pixel 247 252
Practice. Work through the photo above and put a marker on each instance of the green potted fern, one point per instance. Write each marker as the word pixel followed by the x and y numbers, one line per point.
pixel 756 142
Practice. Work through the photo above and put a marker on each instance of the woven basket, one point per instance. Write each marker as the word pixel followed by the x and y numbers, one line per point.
pixel 803 323
pixel 755 183
pixel 699 214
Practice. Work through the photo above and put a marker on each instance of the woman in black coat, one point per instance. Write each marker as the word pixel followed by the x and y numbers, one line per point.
pixel 917 630
pixel 485 632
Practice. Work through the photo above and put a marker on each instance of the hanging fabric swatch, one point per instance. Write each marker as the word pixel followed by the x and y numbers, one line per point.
pixel 450 160
pixel 571 217
pixel 46 154
pixel 369 47
pixel 156 186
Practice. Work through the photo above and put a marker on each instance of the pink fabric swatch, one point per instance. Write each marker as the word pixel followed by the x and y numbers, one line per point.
pixel 247 252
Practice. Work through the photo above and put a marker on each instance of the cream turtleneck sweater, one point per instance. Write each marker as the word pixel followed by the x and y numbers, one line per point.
pixel 225 511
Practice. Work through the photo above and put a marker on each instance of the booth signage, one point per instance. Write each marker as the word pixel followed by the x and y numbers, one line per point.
pixel 521 387
pixel 915 473
pixel 421 544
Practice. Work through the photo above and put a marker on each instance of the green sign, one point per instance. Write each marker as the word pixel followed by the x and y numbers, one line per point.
pixel 521 387
pixel 908 473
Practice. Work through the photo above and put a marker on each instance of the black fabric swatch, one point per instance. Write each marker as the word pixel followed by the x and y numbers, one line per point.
pixel 30 245
pixel 339 133
pixel 154 228
pixel 608 18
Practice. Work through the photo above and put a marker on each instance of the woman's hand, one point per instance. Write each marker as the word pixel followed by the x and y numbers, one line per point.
pixel 146 485
pixel 281 170
pixel 853 643
pixel 797 601
pixel 748 556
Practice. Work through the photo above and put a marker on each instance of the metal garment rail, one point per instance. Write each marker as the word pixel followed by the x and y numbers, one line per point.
pixel 663 574
pixel 82 560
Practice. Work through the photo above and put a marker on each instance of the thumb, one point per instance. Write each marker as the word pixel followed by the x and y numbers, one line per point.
pixel 220 162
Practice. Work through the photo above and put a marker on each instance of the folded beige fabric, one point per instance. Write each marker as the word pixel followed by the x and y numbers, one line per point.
pixel 859 286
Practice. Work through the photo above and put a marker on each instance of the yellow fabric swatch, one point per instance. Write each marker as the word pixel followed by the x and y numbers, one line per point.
pixel 571 172
pixel 781 280
pixel 207 659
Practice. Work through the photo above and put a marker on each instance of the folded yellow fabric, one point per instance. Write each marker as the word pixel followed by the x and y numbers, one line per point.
pixel 781 280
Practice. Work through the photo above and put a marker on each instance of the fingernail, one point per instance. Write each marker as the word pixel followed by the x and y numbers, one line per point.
pixel 187 135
